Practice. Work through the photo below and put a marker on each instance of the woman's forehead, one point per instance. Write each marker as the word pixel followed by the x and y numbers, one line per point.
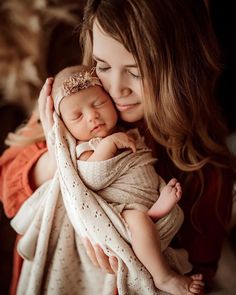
pixel 106 48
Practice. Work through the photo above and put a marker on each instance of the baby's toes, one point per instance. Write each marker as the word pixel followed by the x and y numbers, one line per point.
pixel 197 283
pixel 197 277
pixel 195 288
pixel 172 182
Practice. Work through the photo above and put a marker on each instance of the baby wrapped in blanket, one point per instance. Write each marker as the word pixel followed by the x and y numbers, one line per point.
pixel 96 182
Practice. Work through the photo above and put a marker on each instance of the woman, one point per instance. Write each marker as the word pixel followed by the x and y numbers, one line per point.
pixel 162 53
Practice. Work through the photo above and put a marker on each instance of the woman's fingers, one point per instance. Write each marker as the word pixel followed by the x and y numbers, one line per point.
pixel 90 251
pixel 44 93
pixel 49 110
pixel 47 88
pixel 114 263
pixel 45 103
pixel 103 260
pixel 99 258
pixel 48 85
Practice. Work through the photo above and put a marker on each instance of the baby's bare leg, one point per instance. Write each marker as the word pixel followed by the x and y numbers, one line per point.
pixel 169 196
pixel 144 236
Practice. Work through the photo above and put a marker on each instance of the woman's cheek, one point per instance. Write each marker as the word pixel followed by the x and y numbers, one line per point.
pixel 104 84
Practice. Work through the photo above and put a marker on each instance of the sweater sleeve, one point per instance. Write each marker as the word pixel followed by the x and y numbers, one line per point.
pixel 15 166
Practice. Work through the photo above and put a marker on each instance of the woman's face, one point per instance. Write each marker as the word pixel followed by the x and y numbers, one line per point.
pixel 119 74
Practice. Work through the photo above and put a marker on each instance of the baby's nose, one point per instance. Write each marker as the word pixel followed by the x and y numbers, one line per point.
pixel 92 115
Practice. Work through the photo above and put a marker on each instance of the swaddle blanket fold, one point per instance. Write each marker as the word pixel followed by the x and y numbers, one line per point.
pixel 86 199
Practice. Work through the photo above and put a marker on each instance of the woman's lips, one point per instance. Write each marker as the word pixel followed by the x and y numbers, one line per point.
pixel 127 107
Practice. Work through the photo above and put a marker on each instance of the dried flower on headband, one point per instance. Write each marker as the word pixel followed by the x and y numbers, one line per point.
pixel 73 84
pixel 78 82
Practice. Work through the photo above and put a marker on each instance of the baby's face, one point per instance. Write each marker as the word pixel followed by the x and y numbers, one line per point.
pixel 89 113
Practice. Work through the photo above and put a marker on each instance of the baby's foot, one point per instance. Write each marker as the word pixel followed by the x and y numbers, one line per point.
pixel 169 196
pixel 196 285
pixel 181 285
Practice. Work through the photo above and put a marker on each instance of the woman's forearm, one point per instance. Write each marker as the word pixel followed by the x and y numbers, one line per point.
pixel 43 170
pixel 16 165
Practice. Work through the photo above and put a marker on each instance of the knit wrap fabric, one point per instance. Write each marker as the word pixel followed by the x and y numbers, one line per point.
pixel 86 199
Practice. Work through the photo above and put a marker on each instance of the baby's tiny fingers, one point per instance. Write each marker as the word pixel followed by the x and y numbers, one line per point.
pixel 131 145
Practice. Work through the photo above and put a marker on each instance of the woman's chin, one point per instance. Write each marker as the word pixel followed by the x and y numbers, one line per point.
pixel 130 117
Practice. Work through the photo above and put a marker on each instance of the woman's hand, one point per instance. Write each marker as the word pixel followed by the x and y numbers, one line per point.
pixel 99 258
pixel 38 174
pixel 46 108
pixel 45 105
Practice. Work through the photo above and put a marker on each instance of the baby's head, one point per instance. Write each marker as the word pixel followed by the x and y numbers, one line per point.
pixel 84 106
pixel 71 80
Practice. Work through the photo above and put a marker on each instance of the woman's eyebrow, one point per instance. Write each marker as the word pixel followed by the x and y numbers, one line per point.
pixel 131 66
pixel 99 59
pixel 126 66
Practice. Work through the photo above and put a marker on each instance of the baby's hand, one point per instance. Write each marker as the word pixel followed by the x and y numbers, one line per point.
pixel 108 146
pixel 122 141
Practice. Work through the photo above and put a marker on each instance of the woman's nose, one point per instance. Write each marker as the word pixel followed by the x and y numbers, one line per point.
pixel 118 88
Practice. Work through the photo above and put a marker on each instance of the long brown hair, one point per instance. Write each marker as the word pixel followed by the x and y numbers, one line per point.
pixel 176 52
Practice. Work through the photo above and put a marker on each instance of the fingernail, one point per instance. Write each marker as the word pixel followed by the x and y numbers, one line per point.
pixel 49 79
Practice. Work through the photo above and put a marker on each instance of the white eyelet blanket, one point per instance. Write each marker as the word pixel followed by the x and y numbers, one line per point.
pixel 89 203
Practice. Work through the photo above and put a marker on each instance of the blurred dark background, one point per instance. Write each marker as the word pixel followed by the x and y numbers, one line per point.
pixel 223 18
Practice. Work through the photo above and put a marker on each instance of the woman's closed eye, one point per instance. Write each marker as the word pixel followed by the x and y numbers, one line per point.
pixel 134 75
pixel 102 68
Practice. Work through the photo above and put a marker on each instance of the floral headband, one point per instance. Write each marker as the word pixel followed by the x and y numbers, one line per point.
pixel 73 84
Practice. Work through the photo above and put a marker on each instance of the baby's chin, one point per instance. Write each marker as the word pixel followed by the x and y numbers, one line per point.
pixel 101 134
